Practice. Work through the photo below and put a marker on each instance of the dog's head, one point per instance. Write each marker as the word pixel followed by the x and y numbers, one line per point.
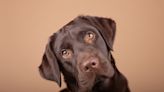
pixel 81 51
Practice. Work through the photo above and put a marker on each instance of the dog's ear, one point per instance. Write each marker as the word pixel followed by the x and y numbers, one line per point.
pixel 106 27
pixel 49 68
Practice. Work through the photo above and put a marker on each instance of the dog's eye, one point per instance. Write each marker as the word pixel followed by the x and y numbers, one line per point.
pixel 66 53
pixel 89 37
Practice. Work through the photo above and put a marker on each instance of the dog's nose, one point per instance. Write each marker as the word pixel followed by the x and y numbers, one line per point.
pixel 90 65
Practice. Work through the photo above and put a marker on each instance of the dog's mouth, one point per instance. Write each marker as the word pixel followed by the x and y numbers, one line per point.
pixel 95 81
pixel 101 78
pixel 94 78
pixel 98 75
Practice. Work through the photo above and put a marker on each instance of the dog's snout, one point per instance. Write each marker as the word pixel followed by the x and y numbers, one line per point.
pixel 90 65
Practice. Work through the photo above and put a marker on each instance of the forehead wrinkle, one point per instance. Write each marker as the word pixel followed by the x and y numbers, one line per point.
pixel 70 32
pixel 63 38
pixel 74 29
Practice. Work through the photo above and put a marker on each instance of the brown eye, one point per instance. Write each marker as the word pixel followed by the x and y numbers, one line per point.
pixel 89 37
pixel 66 53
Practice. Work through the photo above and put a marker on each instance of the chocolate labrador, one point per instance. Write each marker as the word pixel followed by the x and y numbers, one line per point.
pixel 81 51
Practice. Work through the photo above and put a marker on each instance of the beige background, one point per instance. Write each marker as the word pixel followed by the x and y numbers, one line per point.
pixel 25 26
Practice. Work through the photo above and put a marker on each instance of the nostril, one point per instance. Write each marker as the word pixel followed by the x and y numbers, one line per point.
pixel 86 68
pixel 93 63
pixel 90 65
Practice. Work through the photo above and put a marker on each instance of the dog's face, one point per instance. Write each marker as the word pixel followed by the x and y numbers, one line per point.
pixel 81 51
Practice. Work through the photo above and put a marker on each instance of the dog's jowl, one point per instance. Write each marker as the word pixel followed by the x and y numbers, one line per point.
pixel 81 51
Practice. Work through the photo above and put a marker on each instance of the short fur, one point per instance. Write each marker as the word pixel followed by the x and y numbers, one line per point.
pixel 105 78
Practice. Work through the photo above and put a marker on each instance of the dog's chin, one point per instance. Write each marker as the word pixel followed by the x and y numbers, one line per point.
pixel 88 83
pixel 98 81
pixel 104 79
pixel 101 79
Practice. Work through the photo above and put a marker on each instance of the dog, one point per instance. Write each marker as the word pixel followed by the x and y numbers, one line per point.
pixel 81 51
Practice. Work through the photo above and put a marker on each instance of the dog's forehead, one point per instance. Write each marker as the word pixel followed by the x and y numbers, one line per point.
pixel 73 30
pixel 71 33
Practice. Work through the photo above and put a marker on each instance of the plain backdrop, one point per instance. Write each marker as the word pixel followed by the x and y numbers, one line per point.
pixel 25 26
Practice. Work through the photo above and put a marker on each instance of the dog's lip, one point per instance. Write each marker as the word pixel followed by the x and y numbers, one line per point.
pixel 100 78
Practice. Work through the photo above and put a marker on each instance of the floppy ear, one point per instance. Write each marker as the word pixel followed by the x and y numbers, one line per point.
pixel 49 68
pixel 106 27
